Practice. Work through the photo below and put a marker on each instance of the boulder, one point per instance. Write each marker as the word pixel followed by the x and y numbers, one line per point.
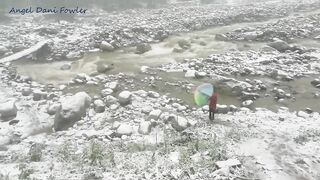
pixel 221 37
pixel 223 109
pixel 247 104
pixel 26 91
pixel 106 92
pixel 315 82
pixel 103 67
pixel 73 55
pixel 178 123
pixel 39 95
pixel 280 45
pixel 200 74
pixel 190 74
pixel 228 163
pixel 65 67
pixel 72 109
pixel 184 44
pixel 53 108
pixel 110 100
pixel 8 109
pixel 112 85
pixel 105 46
pixel 142 48
pixel 3 50
pixel 124 129
pixel 155 114
pixel 145 127
pixel 99 106
pixel 125 97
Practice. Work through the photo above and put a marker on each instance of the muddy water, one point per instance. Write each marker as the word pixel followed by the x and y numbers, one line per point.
pixel 125 60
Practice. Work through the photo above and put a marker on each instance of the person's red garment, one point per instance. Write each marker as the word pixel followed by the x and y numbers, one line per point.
pixel 213 102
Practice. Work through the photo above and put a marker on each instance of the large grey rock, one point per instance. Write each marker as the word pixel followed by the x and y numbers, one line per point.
pixel 315 82
pixel 184 44
pixel 280 45
pixel 125 97
pixel 105 46
pixel 72 109
pixel 8 109
pixel 103 67
pixel 39 95
pixel 142 48
pixel 26 91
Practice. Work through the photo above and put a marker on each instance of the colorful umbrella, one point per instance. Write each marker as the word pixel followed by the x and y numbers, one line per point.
pixel 203 93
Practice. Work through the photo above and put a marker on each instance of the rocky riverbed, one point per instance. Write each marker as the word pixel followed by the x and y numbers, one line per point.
pixel 115 124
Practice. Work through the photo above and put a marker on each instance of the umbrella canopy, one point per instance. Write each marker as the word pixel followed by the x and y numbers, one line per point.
pixel 203 93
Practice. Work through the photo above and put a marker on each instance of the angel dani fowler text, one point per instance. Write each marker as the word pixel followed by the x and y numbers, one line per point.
pixel 54 10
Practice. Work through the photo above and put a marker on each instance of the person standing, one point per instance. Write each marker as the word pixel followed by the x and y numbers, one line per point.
pixel 213 105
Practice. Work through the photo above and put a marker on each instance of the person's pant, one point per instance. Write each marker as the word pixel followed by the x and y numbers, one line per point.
pixel 211 115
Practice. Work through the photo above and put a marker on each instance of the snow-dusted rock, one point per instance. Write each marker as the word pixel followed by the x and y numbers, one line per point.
pixel 155 114
pixel 302 114
pixel 247 103
pixel 190 73
pixel 125 97
pixel 105 46
pixel 124 129
pixel 228 163
pixel 8 109
pixel 106 92
pixel 71 110
pixel 178 123
pixel 53 108
pixel 99 106
pixel 200 74
pixel 223 109
pixel 145 127
pixel 279 45
pixel 112 85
